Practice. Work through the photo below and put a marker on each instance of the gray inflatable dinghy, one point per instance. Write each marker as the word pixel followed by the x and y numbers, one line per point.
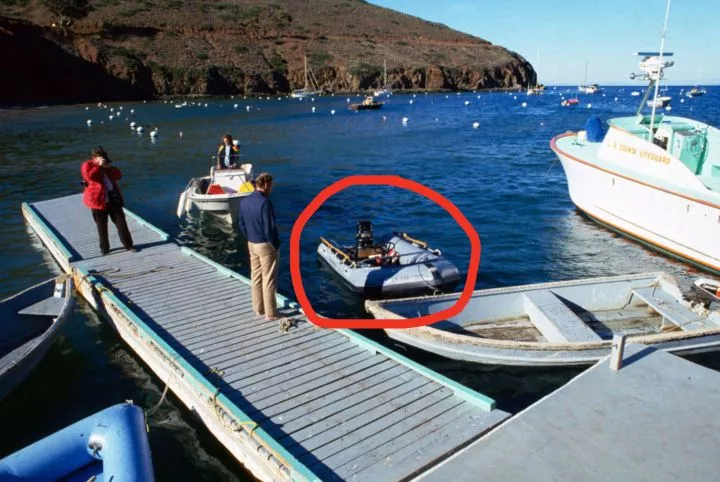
pixel 396 265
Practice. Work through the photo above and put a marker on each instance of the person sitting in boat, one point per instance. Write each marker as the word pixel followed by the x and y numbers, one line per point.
pixel 228 153
pixel 368 100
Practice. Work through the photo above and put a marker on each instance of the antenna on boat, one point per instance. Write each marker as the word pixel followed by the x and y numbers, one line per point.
pixel 653 69
pixel 657 82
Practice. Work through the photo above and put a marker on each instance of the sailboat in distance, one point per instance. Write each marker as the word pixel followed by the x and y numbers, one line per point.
pixel 311 85
pixel 385 90
pixel 588 88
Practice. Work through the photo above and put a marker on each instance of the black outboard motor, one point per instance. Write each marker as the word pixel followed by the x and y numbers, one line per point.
pixel 364 236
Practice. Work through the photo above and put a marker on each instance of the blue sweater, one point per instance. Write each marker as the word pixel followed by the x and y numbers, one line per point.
pixel 257 219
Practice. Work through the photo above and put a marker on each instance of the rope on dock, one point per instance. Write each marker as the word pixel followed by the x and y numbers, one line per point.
pixel 154 409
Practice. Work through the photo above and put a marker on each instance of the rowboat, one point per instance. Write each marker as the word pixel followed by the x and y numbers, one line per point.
pixel 559 323
pixel 110 445
pixel 218 193
pixel 395 265
pixel 31 320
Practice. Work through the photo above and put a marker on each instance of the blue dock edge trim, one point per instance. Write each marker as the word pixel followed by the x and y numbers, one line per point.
pixel 30 209
pixel 483 401
pixel 284 301
pixel 166 236
pixel 298 471
pixel 476 398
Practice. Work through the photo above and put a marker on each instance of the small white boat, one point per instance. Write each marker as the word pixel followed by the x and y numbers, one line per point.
pixel 635 93
pixel 696 92
pixel 218 193
pixel 589 89
pixel 396 265
pixel 660 103
pixel 30 322
pixel 561 323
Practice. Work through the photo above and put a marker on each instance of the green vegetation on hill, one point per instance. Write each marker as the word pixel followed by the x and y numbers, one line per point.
pixel 173 47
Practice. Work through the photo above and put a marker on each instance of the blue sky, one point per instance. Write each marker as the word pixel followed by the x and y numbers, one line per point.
pixel 558 37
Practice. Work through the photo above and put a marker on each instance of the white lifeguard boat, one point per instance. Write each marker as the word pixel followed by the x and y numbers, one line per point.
pixel 654 178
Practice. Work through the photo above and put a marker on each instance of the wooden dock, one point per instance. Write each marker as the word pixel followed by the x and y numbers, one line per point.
pixel 290 401
pixel 652 420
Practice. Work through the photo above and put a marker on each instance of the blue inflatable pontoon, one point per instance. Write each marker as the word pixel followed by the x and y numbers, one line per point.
pixel 111 445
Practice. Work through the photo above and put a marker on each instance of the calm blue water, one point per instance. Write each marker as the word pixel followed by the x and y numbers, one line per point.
pixel 502 176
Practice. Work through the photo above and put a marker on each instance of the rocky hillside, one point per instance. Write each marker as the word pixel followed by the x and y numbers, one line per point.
pixel 149 48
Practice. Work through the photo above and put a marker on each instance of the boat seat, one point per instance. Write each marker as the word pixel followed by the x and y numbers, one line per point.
pixel 48 307
pixel 670 309
pixel 553 318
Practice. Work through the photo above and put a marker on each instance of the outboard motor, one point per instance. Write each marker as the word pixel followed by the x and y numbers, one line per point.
pixel 364 236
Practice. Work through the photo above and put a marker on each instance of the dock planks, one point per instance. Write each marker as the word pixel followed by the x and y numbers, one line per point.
pixel 652 420
pixel 306 404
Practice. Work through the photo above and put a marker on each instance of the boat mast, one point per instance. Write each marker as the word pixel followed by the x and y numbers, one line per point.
pixel 657 83
pixel 385 74
pixel 306 75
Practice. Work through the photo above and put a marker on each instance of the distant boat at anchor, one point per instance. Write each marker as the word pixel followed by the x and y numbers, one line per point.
pixel 311 84
pixel 696 92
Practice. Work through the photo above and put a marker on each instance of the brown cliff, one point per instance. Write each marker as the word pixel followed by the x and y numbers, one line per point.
pixel 151 48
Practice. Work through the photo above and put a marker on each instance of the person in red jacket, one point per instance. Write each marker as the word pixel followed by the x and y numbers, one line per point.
pixel 102 195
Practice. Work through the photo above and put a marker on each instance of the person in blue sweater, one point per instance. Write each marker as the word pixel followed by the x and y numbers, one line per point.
pixel 257 223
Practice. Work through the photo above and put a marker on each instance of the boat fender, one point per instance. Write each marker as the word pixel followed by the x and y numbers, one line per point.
pixel 215 189
pixel 247 186
pixel 393 256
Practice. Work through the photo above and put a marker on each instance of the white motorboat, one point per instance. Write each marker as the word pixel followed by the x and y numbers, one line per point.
pixel 696 92
pixel 589 89
pixel 560 323
pixel 654 178
pixel 660 102
pixel 218 193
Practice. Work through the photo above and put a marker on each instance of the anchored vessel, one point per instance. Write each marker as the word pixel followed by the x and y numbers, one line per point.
pixel 311 84
pixel 368 104
pixel 218 193
pixel 30 322
pixel 654 178
pixel 396 265
pixel 561 323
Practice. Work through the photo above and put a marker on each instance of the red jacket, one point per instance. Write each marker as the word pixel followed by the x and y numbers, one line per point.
pixel 94 196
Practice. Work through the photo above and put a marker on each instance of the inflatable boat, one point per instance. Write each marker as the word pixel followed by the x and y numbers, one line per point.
pixel 395 265
pixel 111 445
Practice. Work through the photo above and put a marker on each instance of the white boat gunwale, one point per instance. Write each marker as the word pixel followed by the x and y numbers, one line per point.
pixel 556 149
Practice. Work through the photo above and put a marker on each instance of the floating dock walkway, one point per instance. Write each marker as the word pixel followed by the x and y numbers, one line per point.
pixel 290 401
pixel 653 420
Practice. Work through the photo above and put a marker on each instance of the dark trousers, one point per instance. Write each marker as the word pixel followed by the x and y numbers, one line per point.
pixel 116 214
